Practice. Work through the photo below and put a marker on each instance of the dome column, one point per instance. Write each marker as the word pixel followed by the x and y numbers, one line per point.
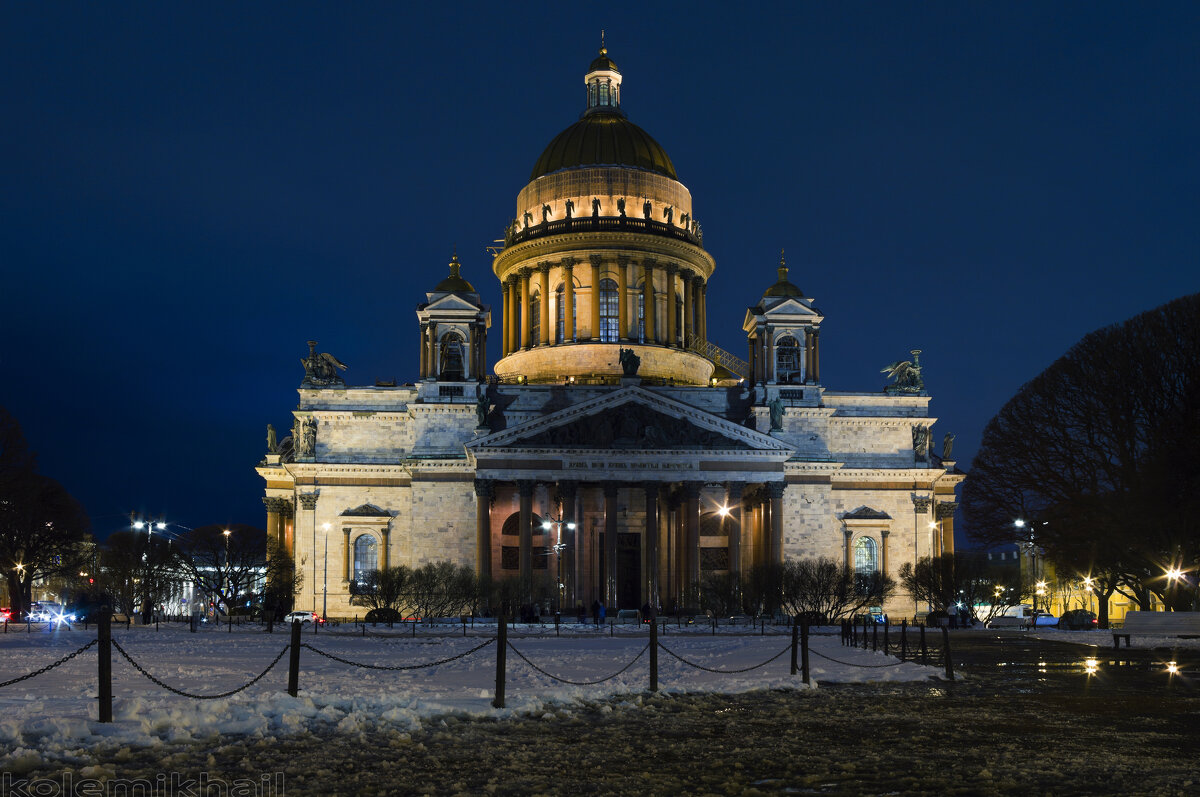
pixel 424 352
pixel 672 332
pixel 506 331
pixel 623 297
pixel 648 298
pixel 702 306
pixel 595 273
pixel 689 330
pixel 523 311
pixel 544 278
pixel 568 266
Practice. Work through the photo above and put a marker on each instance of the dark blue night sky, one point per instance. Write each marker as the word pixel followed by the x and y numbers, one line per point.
pixel 189 192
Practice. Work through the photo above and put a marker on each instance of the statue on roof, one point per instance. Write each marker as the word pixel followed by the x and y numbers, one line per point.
pixel 629 361
pixel 621 207
pixel 906 375
pixel 272 443
pixel 947 446
pixel 321 370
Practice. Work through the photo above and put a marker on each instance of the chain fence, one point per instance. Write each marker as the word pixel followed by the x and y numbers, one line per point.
pixel 722 672
pixel 396 667
pixel 525 659
pixel 50 667
pixel 850 664
pixel 182 693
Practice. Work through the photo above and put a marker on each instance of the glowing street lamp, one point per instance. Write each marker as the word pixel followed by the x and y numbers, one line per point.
pixel 556 524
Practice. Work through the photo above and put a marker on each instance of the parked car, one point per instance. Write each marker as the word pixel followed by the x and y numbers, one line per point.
pixel 1078 620
pixel 304 618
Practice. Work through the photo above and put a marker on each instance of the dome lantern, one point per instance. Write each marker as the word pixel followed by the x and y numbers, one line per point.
pixel 603 81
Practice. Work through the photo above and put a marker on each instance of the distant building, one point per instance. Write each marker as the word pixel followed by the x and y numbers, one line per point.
pixel 609 410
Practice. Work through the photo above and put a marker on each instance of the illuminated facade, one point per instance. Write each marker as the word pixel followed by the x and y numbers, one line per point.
pixel 614 453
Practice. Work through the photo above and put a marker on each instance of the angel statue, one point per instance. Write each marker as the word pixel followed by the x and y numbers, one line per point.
pixel 947 446
pixel 321 369
pixel 920 440
pixel 907 375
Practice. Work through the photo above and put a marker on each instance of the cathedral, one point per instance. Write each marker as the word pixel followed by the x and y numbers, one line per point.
pixel 615 453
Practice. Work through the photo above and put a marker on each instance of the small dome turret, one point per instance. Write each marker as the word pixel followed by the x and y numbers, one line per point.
pixel 454 283
pixel 782 287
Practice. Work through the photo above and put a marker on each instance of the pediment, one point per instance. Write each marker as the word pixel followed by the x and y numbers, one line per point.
pixel 866 513
pixel 634 419
pixel 365 511
pixel 450 302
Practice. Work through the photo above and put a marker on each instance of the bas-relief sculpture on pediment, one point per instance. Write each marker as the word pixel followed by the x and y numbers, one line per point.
pixel 631 426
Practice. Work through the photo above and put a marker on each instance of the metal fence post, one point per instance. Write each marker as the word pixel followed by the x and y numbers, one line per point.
pixel 875 637
pixel 903 639
pixel 795 644
pixel 501 654
pixel 885 639
pixel 924 650
pixel 804 651
pixel 653 655
pixel 104 657
pixel 946 645
pixel 294 660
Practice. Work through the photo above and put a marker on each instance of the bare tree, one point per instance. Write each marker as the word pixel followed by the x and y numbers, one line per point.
pixel 963 580
pixel 139 571
pixel 42 527
pixel 1097 455
pixel 822 590
pixel 384 591
pixel 226 566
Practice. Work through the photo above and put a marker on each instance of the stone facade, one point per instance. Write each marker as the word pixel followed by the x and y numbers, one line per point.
pixel 699 463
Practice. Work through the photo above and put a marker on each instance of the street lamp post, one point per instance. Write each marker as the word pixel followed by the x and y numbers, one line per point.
pixel 556 524
pixel 228 577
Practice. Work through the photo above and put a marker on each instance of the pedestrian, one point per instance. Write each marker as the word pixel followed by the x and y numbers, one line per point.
pixel 603 611
pixel 596 612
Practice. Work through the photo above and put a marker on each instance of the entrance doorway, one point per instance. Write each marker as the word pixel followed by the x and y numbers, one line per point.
pixel 629 571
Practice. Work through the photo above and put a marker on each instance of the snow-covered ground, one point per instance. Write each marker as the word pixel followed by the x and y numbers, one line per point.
pixel 54 717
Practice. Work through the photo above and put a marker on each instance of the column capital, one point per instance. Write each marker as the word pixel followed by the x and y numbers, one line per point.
pixel 568 263
pixel 596 260
pixel 775 489
pixel 543 267
pixel 346 531
pixel 623 260
pixel 693 489
pixel 651 489
pixel 525 487
pixel 847 532
pixel 288 509
pixel 308 501
pixel 921 503
pixel 946 509
pixel 567 488
pixel 735 490
pixel 686 274
pixel 884 533
pixel 610 489
pixel 525 271
pixel 274 504
pixel 485 488
pixel 671 268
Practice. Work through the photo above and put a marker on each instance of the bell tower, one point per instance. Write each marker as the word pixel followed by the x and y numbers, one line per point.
pixel 454 324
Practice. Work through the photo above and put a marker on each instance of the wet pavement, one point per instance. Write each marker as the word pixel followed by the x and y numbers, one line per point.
pixel 1023 716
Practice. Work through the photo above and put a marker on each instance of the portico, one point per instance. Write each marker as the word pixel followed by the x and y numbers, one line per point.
pixel 643 517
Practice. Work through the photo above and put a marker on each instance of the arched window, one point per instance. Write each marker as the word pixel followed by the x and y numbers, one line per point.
pixel 787 360
pixel 609 324
pixel 366 557
pixel 560 310
pixel 866 559
pixel 604 94
pixel 641 307
pixel 678 319
pixel 451 361
pixel 535 319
